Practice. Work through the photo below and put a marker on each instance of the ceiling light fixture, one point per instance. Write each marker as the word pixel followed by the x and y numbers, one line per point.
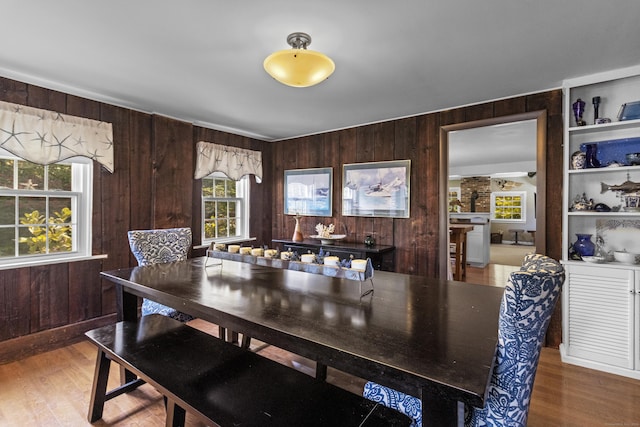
pixel 299 67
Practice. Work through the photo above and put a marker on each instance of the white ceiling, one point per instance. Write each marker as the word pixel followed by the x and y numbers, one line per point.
pixel 201 60
pixel 508 148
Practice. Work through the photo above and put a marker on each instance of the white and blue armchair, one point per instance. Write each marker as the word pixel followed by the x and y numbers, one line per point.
pixel 159 247
pixel 525 311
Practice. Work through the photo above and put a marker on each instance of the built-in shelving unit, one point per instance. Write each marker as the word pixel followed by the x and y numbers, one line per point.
pixel 601 302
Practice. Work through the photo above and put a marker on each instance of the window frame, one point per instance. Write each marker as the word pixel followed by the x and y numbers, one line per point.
pixel 522 206
pixel 242 210
pixel 81 196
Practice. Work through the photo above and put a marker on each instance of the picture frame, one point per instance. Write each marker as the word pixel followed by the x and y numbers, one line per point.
pixel 308 192
pixel 377 189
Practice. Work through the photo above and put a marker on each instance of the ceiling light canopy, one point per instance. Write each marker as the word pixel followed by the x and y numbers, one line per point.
pixel 299 67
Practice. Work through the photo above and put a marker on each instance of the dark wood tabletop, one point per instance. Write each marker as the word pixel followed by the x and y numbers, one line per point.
pixel 427 337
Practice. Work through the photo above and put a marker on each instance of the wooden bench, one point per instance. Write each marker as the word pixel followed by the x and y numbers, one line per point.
pixel 222 383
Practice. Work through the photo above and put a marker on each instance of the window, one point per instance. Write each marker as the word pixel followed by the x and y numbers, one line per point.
pixel 508 206
pixel 225 208
pixel 45 211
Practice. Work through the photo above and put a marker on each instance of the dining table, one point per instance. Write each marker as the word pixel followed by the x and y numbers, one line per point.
pixel 431 338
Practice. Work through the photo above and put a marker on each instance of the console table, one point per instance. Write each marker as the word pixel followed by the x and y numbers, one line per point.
pixel 382 256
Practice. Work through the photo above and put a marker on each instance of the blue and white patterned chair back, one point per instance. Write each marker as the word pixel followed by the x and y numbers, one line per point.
pixel 159 247
pixel 525 311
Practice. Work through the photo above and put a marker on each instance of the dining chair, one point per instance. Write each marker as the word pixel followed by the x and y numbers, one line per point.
pixel 170 245
pixel 527 304
pixel 158 247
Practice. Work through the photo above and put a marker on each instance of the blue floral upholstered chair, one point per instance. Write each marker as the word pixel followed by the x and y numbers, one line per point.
pixel 159 247
pixel 525 311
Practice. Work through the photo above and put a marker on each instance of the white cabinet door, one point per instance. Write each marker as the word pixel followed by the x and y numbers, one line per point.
pixel 478 245
pixel 474 245
pixel 599 309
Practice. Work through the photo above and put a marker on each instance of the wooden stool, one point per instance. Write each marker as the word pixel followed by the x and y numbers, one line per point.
pixel 458 239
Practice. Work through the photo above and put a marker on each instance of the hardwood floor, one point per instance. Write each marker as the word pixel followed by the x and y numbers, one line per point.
pixel 52 389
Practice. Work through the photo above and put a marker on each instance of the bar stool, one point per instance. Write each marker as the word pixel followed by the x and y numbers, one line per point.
pixel 515 232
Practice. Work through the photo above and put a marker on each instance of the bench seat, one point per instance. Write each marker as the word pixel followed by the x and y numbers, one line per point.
pixel 222 383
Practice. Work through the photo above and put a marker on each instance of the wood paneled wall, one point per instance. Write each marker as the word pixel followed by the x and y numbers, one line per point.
pixel 152 187
pixel 416 238
pixel 417 138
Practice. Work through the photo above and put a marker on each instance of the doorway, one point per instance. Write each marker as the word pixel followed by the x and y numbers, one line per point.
pixel 447 135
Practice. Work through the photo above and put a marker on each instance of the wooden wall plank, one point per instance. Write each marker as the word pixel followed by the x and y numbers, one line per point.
pixel 46 99
pixel 49 297
pixel 85 290
pixel 13 91
pixel 139 168
pixel 173 169
pixel 15 303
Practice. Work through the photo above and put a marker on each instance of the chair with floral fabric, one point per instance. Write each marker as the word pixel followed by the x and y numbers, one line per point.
pixel 525 311
pixel 159 247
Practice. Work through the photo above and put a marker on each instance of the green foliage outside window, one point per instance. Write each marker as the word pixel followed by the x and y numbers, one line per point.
pixel 36 233
pixel 58 230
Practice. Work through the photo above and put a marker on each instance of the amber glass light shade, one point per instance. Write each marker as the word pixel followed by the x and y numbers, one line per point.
pixel 299 67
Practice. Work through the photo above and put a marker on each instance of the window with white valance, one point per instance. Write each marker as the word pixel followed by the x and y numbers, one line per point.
pixel 232 161
pixel 46 137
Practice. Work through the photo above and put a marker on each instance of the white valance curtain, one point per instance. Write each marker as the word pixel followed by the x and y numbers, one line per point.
pixel 45 137
pixel 232 161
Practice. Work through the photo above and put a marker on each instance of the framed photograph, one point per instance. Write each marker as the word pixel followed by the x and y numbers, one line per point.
pixel 379 189
pixel 308 191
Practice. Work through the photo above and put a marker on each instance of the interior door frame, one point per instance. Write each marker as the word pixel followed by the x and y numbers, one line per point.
pixel 541 177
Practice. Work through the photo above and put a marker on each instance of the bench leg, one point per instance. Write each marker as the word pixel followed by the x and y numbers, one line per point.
pixel 99 389
pixel 232 337
pixel 175 414
pixel 321 371
pixel 246 342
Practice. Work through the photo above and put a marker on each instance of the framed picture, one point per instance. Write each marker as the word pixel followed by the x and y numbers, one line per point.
pixel 379 189
pixel 308 191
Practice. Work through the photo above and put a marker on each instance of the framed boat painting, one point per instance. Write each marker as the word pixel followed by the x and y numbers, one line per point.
pixel 308 192
pixel 379 189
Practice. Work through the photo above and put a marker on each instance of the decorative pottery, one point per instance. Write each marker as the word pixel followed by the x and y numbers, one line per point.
pixel 584 246
pixel 329 240
pixel 578 160
pixel 297 232
pixel 592 160
pixel 369 240
pixel 578 112
pixel 625 257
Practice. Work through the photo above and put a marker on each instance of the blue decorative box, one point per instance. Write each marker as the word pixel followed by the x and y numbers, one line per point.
pixel 615 150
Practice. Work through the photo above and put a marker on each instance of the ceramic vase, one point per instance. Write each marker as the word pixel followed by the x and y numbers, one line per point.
pixel 591 160
pixel 369 240
pixel 297 233
pixel 584 246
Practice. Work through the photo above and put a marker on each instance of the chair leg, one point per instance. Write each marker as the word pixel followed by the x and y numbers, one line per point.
pixel 99 389
pixel 175 414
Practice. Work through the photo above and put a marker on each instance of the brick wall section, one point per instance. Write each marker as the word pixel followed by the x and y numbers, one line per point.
pixel 481 184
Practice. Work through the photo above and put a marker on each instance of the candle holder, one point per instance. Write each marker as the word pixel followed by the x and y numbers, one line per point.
pixel 596 105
